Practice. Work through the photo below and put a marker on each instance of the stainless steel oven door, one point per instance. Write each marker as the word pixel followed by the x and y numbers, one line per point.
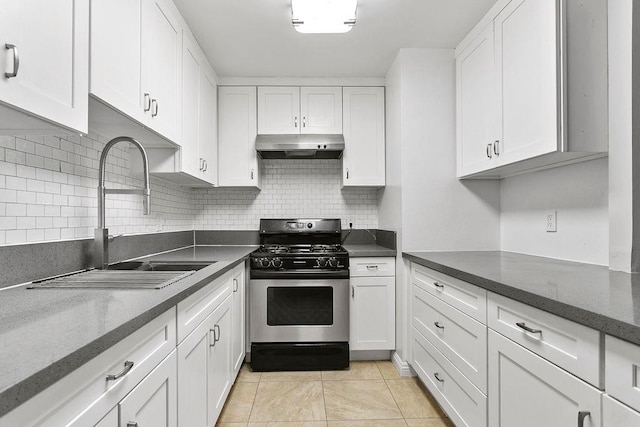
pixel 294 310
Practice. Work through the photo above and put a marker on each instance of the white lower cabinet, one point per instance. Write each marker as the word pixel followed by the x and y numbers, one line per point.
pixel 219 360
pixel 615 414
pixel 372 309
pixel 238 322
pixel 206 365
pixel 152 403
pixel 525 390
pixel 464 403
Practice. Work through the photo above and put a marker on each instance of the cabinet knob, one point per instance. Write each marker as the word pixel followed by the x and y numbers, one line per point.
pixel 437 377
pixel 347 173
pixel 16 60
pixel 154 107
pixel 496 147
pixel 489 154
pixel 438 325
pixel 295 121
pixel 132 424
pixel 438 285
pixel 251 173
pixel 353 292
pixel 304 122
pixel 235 285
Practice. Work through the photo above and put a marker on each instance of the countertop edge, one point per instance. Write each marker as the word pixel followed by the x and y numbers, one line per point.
pixel 20 392
pixel 608 325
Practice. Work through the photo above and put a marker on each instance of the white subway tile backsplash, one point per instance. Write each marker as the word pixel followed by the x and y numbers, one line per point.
pixel 48 192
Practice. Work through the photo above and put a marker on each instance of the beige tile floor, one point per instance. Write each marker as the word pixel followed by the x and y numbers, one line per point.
pixel 368 394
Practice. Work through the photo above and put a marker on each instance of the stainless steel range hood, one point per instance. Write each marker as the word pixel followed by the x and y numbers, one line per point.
pixel 300 146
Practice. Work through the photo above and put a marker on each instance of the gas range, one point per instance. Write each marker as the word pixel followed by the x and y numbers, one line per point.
pixel 293 248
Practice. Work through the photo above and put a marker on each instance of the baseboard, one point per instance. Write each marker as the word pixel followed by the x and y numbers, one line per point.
pixel 403 368
pixel 370 355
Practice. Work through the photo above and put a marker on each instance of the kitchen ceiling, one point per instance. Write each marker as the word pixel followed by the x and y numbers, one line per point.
pixel 255 38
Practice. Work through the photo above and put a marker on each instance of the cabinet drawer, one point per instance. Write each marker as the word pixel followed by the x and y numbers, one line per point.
pixel 615 414
pixel 85 396
pixel 622 371
pixel 372 266
pixel 195 308
pixel 463 402
pixel 569 345
pixel 460 338
pixel 464 296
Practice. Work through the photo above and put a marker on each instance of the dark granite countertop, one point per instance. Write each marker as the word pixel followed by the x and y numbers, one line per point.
pixel 48 333
pixel 368 250
pixel 589 294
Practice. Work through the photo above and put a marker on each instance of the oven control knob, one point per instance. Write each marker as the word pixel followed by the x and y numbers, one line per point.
pixel 309 225
pixel 322 262
pixel 333 262
pixel 276 262
pixel 265 262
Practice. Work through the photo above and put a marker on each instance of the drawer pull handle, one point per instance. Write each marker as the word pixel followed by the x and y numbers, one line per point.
pixel 132 424
pixel 522 325
pixel 127 367
pixel 437 376
pixel 438 325
pixel 581 416
pixel 438 285
pixel 372 267
pixel 235 285
pixel 216 332
pixel 214 340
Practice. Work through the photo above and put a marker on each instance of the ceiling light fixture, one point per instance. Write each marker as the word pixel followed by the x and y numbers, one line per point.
pixel 323 16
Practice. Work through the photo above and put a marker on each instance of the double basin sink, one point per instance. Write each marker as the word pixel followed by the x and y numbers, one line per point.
pixel 126 275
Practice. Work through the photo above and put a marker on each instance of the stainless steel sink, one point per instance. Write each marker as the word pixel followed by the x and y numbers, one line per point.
pixel 159 266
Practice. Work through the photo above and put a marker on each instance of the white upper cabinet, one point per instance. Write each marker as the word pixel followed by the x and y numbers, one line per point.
pixel 476 104
pixel 161 66
pixel 44 72
pixel 321 110
pixel 363 160
pixel 299 110
pixel 193 164
pixel 136 64
pixel 237 156
pixel 525 101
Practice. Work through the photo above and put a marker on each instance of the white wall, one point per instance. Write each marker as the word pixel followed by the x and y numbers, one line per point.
pixel 620 134
pixel 440 212
pixel 579 194
pixel 423 200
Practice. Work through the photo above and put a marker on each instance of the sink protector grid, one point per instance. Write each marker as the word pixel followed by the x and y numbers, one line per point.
pixel 114 279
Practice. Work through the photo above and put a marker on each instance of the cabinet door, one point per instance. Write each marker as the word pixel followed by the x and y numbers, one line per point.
pixel 192 62
pixel 116 63
pixel 219 360
pixel 527 40
pixel 527 391
pixel 321 110
pixel 278 110
pixel 161 65
pixel 615 414
pixel 476 105
pixel 51 40
pixel 192 376
pixel 237 157
pixel 153 401
pixel 238 323
pixel 208 125
pixel 372 316
pixel 363 160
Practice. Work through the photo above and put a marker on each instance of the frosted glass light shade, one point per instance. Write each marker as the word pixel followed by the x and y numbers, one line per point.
pixel 323 16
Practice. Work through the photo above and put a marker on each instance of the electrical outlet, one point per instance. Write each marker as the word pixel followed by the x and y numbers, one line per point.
pixel 552 225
